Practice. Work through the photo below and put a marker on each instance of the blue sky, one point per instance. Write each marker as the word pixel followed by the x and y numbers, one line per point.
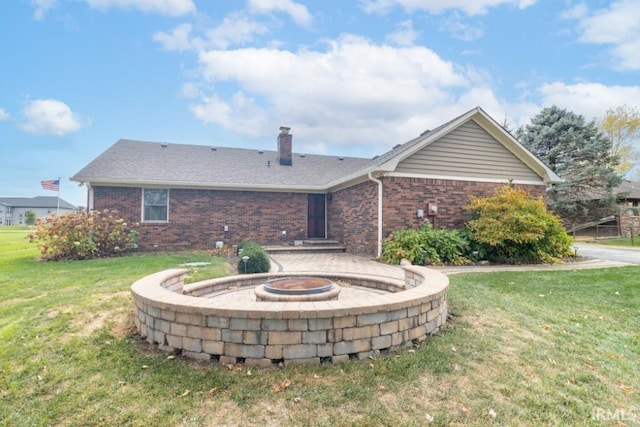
pixel 352 78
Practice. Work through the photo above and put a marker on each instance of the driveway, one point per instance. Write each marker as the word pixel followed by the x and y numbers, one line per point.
pixel 608 253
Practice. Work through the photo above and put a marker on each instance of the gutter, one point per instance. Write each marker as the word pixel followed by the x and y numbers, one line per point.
pixel 377 181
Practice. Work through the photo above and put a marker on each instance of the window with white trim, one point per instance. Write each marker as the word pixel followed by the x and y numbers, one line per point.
pixel 155 207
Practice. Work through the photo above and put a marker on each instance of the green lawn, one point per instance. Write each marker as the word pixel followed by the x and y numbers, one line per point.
pixel 623 241
pixel 543 348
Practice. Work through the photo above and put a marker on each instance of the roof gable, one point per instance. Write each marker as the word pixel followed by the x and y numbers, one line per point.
pixel 467 151
pixel 483 125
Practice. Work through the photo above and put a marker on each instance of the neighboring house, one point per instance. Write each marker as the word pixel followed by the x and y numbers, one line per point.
pixel 194 196
pixel 600 219
pixel 13 209
pixel 629 213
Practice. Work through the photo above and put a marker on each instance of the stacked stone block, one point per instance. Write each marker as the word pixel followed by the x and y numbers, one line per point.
pixel 266 333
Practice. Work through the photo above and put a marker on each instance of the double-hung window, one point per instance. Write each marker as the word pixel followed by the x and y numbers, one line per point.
pixel 155 206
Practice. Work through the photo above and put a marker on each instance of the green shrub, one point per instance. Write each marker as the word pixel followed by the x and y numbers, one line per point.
pixel 246 244
pixel 425 246
pixel 258 261
pixel 82 235
pixel 513 227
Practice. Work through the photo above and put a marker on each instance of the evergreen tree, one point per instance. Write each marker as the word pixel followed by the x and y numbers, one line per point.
pixel 578 152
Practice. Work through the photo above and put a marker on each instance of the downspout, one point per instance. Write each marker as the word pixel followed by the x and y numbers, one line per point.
pixel 377 181
pixel 89 207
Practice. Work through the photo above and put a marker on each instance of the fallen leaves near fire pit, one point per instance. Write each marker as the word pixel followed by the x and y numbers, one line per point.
pixel 626 388
pixel 281 386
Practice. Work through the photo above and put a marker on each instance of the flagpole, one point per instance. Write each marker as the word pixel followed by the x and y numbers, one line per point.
pixel 58 213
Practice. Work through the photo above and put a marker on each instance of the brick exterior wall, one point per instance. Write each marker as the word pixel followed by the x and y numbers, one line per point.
pixel 197 217
pixel 404 196
pixel 352 218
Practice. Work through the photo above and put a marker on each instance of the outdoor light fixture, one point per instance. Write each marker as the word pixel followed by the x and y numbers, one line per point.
pixel 245 259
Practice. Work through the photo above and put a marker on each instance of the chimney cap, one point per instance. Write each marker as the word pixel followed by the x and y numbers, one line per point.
pixel 284 130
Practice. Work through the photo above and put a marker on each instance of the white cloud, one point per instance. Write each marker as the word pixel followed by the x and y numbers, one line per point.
pixel 469 7
pixel 589 99
pixel 298 12
pixel 163 7
pixel 363 90
pixel 50 117
pixel 41 7
pixel 179 38
pixel 235 29
pixel 3 114
pixel 404 35
pixel 618 27
pixel 459 29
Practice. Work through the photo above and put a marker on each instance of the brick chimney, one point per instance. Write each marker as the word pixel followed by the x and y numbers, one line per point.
pixel 285 156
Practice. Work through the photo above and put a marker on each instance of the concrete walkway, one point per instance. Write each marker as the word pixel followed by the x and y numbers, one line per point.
pixel 346 263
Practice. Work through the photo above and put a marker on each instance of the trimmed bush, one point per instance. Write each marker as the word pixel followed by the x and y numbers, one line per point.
pixel 425 246
pixel 83 235
pixel 512 227
pixel 258 261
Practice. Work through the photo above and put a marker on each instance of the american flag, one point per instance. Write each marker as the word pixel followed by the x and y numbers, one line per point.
pixel 53 185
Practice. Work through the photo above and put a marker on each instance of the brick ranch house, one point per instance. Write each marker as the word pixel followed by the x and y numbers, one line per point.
pixel 195 196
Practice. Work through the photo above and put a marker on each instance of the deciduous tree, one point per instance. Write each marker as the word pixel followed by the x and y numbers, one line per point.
pixel 622 125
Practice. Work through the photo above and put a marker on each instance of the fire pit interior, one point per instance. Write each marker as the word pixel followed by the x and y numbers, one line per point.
pixel 298 285
pixel 301 288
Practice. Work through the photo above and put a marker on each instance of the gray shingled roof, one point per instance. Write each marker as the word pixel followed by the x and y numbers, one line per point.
pixel 154 163
pixel 35 202
pixel 142 162
pixel 629 189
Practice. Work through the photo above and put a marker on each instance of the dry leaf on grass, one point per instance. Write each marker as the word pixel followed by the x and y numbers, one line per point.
pixel 281 386
pixel 185 393
pixel 626 388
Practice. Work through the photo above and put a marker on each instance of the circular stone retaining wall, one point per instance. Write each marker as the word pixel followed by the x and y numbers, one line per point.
pixel 177 318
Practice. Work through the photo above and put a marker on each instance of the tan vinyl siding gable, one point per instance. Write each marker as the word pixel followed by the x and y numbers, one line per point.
pixel 470 152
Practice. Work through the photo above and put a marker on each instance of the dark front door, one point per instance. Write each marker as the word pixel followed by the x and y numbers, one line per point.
pixel 315 216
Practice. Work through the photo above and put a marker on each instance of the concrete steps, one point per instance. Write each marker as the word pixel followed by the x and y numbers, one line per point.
pixel 306 246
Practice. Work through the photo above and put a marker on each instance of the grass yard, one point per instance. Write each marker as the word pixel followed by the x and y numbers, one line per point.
pixel 523 349
pixel 623 241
